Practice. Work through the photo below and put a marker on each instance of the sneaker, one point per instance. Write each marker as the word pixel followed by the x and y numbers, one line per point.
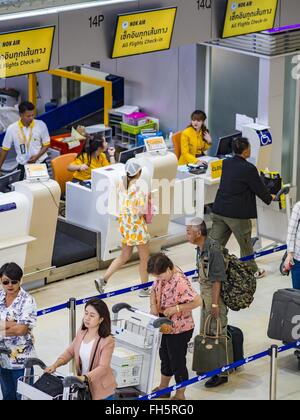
pixel 216 381
pixel 100 285
pixel 260 273
pixel 145 292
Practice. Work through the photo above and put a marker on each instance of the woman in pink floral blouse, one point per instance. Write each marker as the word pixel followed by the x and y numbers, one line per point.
pixel 172 296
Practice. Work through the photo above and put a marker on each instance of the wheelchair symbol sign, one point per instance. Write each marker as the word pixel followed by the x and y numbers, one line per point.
pixel 265 138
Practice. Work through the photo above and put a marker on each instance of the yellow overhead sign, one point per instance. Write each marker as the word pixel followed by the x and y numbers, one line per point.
pixel 144 32
pixel 25 52
pixel 248 16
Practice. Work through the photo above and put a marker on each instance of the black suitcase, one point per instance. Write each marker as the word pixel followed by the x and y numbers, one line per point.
pixel 237 338
pixel 285 316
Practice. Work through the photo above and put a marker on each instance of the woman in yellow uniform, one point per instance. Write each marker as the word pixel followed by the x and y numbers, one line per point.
pixel 92 157
pixel 195 140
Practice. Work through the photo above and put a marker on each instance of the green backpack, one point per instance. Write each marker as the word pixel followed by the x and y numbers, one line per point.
pixel 239 288
pixel 240 285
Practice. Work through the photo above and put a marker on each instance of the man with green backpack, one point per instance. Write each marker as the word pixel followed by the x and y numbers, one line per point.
pixel 212 273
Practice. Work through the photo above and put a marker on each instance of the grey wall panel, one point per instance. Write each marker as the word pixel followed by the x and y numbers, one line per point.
pixel 192 24
pixel 152 83
pixel 290 12
pixel 35 22
pixel 234 89
pixel 79 43
pixel 187 92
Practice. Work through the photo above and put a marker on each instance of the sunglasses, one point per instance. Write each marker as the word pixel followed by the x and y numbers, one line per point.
pixel 6 282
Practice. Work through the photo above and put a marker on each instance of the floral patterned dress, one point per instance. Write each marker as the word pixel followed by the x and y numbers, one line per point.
pixel 23 311
pixel 133 226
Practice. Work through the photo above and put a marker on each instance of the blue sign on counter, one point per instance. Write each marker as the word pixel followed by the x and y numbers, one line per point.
pixel 265 137
pixel 8 207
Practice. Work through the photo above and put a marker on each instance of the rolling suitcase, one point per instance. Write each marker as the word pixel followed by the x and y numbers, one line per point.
pixel 237 338
pixel 284 322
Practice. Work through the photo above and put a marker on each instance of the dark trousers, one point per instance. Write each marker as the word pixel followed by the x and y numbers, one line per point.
pixel 296 275
pixel 172 354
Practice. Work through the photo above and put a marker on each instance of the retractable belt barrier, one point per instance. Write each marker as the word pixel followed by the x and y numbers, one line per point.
pixel 220 371
pixel 145 285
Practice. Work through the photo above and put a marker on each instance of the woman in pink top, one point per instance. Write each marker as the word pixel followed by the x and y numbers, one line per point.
pixel 92 350
pixel 172 296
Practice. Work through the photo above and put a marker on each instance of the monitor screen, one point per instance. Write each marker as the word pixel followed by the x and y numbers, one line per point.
pixel 131 153
pixel 9 179
pixel 144 32
pixel 246 17
pixel 225 144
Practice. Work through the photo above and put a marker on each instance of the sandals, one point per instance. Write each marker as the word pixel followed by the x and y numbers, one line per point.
pixel 260 273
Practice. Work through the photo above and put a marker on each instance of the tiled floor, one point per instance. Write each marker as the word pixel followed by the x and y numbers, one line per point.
pixel 250 382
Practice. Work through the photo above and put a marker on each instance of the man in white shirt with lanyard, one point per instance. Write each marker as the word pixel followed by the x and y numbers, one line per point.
pixel 29 137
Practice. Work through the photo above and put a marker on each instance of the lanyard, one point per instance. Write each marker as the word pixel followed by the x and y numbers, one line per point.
pixel 25 141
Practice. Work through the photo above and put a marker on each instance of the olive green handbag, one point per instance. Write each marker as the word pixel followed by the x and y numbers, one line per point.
pixel 211 351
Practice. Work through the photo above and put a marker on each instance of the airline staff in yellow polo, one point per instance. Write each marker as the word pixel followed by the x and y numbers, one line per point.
pixel 29 137
pixel 195 140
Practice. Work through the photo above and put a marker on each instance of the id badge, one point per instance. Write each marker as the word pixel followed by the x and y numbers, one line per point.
pixel 23 149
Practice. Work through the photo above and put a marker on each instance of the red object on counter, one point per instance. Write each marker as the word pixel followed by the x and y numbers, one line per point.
pixel 57 144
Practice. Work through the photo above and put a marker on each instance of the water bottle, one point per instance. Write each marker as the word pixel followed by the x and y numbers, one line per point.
pixel 171 146
pixel 169 141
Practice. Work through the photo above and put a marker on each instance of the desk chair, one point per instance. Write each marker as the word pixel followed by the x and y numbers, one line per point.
pixel 176 138
pixel 60 170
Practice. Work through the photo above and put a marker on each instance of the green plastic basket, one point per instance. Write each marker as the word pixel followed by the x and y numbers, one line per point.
pixel 135 130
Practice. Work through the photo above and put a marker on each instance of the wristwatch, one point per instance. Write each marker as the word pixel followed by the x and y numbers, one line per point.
pixel 214 306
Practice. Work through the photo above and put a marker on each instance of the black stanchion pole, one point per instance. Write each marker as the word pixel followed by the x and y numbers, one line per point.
pixel 72 324
pixel 273 373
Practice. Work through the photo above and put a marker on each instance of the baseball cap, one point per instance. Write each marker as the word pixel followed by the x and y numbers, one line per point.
pixel 132 168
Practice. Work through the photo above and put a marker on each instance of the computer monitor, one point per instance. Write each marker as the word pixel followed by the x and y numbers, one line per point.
pixel 131 153
pixel 7 180
pixel 225 144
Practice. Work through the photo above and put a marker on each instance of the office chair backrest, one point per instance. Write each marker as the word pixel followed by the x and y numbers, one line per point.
pixel 177 144
pixel 60 170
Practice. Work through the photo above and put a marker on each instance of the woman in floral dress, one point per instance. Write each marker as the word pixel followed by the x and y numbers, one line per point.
pixel 133 228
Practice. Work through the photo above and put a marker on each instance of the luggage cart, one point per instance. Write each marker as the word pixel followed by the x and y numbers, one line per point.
pixel 139 332
pixel 71 385
pixel 273 222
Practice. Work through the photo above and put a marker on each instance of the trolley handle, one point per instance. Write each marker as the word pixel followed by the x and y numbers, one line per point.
pixel 162 321
pixel 285 190
pixel 73 380
pixel 30 363
pixel 119 306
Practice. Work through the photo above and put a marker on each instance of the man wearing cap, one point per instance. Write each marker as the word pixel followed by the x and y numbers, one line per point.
pixel 29 137
pixel 212 272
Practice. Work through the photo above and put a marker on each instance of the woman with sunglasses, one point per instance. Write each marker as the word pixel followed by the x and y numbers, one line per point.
pixel 17 318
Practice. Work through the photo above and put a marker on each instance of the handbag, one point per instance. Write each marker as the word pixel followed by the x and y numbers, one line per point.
pixel 272 181
pixel 85 393
pixel 211 351
pixel 150 212
pixel 50 384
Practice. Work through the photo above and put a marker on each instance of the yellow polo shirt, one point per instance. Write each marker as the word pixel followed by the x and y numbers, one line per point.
pixel 96 163
pixel 192 145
